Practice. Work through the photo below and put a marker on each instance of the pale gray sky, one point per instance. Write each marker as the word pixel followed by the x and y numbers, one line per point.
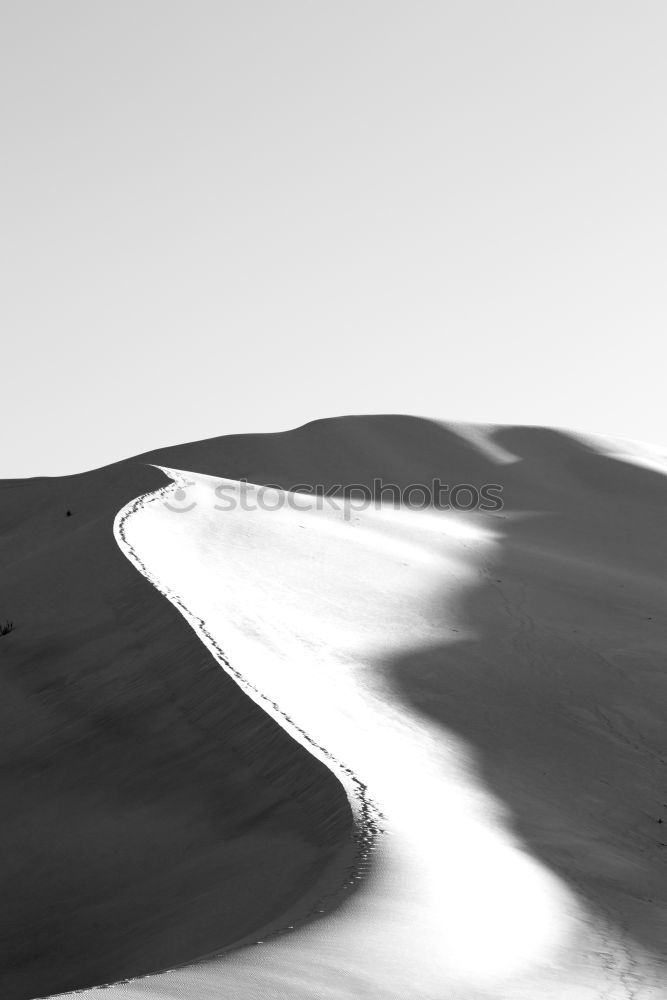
pixel 235 216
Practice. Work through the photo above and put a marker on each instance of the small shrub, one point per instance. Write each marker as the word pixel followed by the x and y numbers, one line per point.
pixel 6 627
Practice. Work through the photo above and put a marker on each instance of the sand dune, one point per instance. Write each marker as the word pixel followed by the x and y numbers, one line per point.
pixel 495 680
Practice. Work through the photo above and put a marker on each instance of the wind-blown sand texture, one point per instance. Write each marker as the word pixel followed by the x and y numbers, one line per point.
pixel 488 689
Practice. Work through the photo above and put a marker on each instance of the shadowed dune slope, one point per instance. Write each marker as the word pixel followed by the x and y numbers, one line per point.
pixel 151 813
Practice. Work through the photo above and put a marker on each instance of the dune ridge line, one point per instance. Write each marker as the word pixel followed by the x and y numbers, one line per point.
pixel 367 815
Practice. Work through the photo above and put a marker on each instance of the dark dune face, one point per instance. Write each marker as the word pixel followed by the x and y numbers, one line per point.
pixel 151 812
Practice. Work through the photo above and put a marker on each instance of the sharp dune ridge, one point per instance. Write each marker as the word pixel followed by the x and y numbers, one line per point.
pixel 368 817
pixel 517 666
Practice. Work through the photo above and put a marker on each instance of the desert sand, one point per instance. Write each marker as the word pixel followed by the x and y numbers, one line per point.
pixel 494 682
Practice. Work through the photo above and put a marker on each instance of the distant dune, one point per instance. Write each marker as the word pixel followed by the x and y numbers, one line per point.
pixel 444 730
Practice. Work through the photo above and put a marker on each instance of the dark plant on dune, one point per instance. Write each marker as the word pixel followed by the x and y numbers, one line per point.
pixel 6 627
